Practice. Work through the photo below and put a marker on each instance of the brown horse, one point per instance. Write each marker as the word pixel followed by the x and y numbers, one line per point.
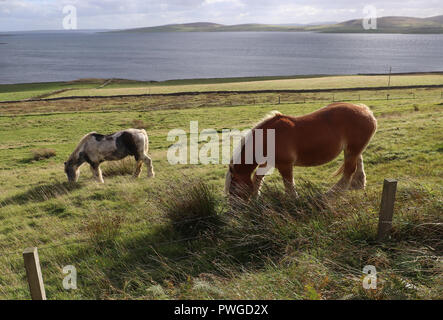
pixel 310 140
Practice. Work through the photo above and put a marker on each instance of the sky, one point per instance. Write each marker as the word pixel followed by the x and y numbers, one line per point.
pixel 20 15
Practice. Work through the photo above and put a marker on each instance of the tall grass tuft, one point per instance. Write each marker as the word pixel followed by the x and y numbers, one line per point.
pixel 272 220
pixel 41 154
pixel 44 192
pixel 309 200
pixel 103 228
pixel 192 208
pixel 119 168
pixel 258 223
pixel 139 124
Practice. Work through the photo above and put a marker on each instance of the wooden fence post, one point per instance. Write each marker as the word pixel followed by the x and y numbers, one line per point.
pixel 34 274
pixel 386 208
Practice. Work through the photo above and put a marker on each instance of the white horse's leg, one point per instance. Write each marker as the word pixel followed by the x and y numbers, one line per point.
pixel 77 174
pixel 138 169
pixel 359 178
pixel 97 173
pixel 143 156
pixel 148 162
pixel 100 175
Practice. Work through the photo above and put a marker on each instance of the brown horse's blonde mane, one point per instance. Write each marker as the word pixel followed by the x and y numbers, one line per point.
pixel 80 144
pixel 241 146
pixel 269 116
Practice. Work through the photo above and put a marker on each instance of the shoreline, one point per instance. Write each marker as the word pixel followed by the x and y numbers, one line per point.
pixel 218 80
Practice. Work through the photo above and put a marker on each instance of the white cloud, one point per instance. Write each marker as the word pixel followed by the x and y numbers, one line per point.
pixel 297 11
pixel 98 14
pixel 238 3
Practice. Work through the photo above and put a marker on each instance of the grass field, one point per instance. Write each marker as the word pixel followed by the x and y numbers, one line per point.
pixel 126 237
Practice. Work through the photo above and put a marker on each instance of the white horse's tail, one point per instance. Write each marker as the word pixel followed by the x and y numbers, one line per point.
pixel 147 140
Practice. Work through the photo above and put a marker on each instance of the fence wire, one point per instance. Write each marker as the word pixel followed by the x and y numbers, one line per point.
pixel 163 260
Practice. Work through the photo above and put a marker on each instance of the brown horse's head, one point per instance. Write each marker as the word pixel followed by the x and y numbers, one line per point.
pixel 238 184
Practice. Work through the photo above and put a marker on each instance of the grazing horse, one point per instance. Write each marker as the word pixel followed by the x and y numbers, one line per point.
pixel 310 140
pixel 95 148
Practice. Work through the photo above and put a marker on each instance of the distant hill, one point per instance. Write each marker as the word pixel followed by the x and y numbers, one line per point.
pixel 389 25
pixel 384 25
pixel 214 27
pixel 187 27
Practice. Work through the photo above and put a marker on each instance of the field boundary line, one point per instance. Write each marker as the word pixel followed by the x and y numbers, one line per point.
pixel 194 93
pixel 144 109
pixel 45 95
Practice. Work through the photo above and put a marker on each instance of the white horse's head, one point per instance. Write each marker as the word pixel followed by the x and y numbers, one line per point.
pixel 72 165
pixel 72 170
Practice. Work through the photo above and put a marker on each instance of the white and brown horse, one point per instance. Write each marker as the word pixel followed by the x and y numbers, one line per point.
pixel 310 140
pixel 96 148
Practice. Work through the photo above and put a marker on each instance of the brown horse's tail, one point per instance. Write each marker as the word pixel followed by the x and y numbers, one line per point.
pixel 339 170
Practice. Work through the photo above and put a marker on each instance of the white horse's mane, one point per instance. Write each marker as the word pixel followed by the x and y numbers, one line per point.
pixel 239 148
pixel 80 145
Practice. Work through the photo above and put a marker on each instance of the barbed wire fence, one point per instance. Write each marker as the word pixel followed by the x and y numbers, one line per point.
pixel 12 276
pixel 158 259
pixel 16 278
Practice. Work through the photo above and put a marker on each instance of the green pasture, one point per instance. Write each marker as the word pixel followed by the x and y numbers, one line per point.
pixel 119 236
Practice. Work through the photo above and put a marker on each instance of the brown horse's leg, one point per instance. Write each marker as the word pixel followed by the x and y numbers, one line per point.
pixel 257 181
pixel 287 172
pixel 349 169
pixel 138 169
pixel 359 178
